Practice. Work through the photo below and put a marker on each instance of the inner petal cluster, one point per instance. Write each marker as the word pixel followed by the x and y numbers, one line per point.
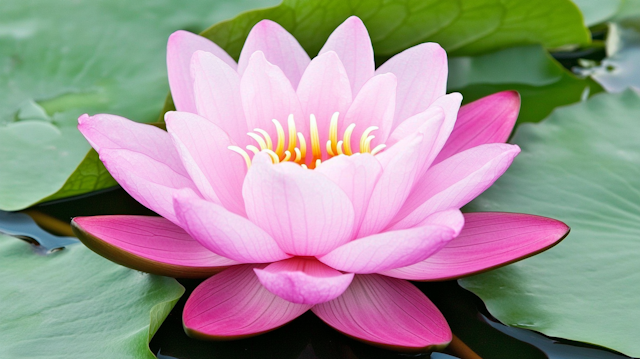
pixel 296 148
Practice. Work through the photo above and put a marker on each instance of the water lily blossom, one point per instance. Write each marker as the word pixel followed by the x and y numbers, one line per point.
pixel 322 184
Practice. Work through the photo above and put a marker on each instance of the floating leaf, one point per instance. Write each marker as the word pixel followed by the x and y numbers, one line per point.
pixel 581 166
pixel 462 27
pixel 76 304
pixel 60 59
pixel 541 81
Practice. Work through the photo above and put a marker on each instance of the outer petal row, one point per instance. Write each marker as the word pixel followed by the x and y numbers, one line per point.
pixel 148 244
pixel 488 240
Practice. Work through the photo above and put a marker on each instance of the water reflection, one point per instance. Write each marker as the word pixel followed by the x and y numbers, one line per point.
pixel 22 226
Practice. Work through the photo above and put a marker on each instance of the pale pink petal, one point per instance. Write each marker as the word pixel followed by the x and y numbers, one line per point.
pixel 223 232
pixel 412 124
pixel 180 48
pixel 280 48
pixel 351 42
pixel 387 312
pixel 215 169
pixel 303 280
pixel 402 166
pixel 148 181
pixel 233 305
pixel 267 95
pixel 115 132
pixel 422 78
pixel 149 244
pixel 373 106
pixel 304 211
pixel 455 181
pixel 357 176
pixel 451 218
pixel 324 89
pixel 217 94
pixel 488 240
pixel 386 250
pixel 487 120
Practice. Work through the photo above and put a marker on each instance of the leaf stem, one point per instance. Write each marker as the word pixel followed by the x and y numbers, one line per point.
pixel 458 348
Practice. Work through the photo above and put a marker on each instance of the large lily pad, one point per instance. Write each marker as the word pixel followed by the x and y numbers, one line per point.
pixel 60 59
pixel 581 166
pixel 76 304
pixel 463 27
pixel 541 81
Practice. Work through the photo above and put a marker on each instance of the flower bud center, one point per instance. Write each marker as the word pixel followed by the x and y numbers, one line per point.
pixel 296 150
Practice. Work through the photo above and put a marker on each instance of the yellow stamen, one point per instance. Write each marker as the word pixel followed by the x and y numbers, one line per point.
pixel 242 153
pixel 347 139
pixel 339 148
pixel 274 156
pixel 318 162
pixel 333 132
pixel 303 148
pixel 287 156
pixel 298 155
pixel 261 143
pixel 378 148
pixel 266 137
pixel 367 144
pixel 329 150
pixel 292 133
pixel 315 138
pixel 304 166
pixel 364 137
pixel 280 132
pixel 253 149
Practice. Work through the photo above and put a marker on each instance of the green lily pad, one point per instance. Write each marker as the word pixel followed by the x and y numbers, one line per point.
pixel 462 27
pixel 542 82
pixel 581 166
pixel 76 304
pixel 60 59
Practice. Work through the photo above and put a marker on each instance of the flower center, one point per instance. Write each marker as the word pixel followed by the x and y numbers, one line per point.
pixel 296 150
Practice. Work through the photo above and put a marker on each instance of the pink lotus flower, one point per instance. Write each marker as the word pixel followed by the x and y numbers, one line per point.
pixel 348 185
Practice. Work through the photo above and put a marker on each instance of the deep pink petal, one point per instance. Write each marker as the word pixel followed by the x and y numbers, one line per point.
pixel 279 47
pixel 148 181
pixel 422 78
pixel 223 232
pixel 351 42
pixel 455 181
pixel 356 176
pixel 304 211
pixel 148 244
pixel 217 171
pixel 324 89
pixel 402 166
pixel 303 280
pixel 217 94
pixel 488 240
pixel 387 312
pixel 267 95
pixel 233 305
pixel 180 48
pixel 392 249
pixel 373 106
pixel 115 132
pixel 487 120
